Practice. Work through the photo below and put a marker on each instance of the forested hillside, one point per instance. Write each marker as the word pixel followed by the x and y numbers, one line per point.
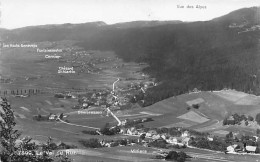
pixel 212 55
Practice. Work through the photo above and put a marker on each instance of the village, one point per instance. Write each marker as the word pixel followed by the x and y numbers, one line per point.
pixel 182 138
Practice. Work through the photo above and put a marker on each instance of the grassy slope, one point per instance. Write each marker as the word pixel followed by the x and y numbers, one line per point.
pixel 215 107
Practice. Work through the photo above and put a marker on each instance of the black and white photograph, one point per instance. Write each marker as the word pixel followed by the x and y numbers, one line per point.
pixel 129 80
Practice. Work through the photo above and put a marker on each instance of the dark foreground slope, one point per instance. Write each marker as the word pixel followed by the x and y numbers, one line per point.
pixel 211 55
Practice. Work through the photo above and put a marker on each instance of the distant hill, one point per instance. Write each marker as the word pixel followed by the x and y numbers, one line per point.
pixel 85 31
pixel 249 16
pixel 141 24
pixel 54 32
pixel 209 55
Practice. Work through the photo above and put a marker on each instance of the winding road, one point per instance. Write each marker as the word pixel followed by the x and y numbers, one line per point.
pixel 78 125
pixel 115 83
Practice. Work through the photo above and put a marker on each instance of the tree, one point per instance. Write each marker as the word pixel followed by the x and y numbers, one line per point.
pixel 142 136
pixel 179 157
pixel 106 130
pixel 246 123
pixel 164 130
pixel 195 106
pixel 257 151
pixel 172 155
pixel 229 135
pixel 8 135
pixel 257 118
pixel 123 142
pixel 91 143
pixel 182 154
pixel 250 118
pixel 225 122
pixel 16 153
pixel 258 131
pixel 61 116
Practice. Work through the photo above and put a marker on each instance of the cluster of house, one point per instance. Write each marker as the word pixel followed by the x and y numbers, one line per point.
pixel 53 117
pixel 105 143
pixel 117 99
pixel 241 148
pixel 5 80
pixel 95 98
pixel 145 85
pixel 184 139
pixel 153 135
pixel 65 95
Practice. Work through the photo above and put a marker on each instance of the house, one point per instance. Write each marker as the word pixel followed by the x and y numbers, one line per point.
pixel 256 137
pixel 97 103
pixel 140 132
pixel 148 134
pixel 108 144
pixel 123 131
pixel 144 120
pixel 252 138
pixel 145 144
pixel 237 135
pixel 129 132
pixel 52 117
pixel 70 95
pixel 163 137
pixel 85 105
pixel 135 132
pixel 240 146
pixel 251 149
pixel 210 138
pixel 124 122
pixel 103 143
pixel 132 131
pixel 152 132
pixel 230 119
pixel 185 140
pixel 185 134
pixel 231 148
pixel 155 137
pixel 172 140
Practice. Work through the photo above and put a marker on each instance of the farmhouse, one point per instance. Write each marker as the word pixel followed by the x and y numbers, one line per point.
pixel 85 105
pixel 148 134
pixel 152 132
pixel 132 131
pixel 172 140
pixel 185 140
pixel 236 147
pixel 232 148
pixel 156 136
pixel 251 149
pixel 185 134
pixel 210 138
pixel 129 132
pixel 52 117
pixel 123 131
pixel 163 137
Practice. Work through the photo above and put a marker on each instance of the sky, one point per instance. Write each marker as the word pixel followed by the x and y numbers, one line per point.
pixel 20 13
